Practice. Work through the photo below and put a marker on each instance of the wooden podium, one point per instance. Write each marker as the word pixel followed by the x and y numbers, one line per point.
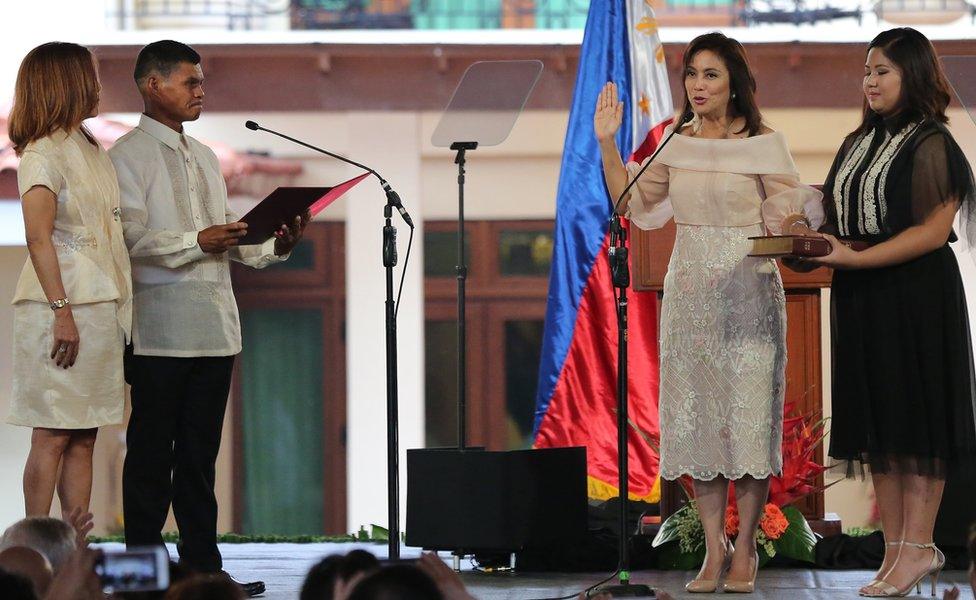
pixel 651 251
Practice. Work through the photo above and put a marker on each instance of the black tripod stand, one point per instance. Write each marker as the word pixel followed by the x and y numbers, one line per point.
pixel 620 275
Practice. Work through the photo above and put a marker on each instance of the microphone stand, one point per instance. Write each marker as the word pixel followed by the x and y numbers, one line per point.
pixel 462 274
pixel 618 257
pixel 392 392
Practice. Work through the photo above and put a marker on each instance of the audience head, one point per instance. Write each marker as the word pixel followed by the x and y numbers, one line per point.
pixel 16 587
pixel 206 586
pixel 53 538
pixel 321 578
pixel 396 582
pixel 31 564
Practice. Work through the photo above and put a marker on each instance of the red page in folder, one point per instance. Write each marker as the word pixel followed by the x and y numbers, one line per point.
pixel 334 194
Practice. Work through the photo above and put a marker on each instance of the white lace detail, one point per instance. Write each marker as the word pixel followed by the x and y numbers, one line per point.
pixel 723 357
pixel 842 192
pixel 871 192
pixel 887 157
pixel 869 201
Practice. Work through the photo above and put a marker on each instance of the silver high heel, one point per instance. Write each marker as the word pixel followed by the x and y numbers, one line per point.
pixel 885 589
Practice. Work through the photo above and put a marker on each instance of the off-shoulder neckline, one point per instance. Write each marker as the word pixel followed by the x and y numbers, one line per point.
pixel 733 139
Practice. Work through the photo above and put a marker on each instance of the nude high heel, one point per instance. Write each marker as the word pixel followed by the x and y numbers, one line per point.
pixel 743 587
pixel 708 586
pixel 886 590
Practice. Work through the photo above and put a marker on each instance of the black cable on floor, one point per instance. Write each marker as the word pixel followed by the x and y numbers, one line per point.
pixel 585 592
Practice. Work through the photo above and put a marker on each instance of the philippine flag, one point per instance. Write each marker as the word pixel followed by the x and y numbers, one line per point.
pixel 576 394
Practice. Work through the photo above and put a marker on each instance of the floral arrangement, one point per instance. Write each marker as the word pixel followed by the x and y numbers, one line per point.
pixel 782 528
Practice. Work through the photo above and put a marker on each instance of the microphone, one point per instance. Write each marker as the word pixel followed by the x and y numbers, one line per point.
pixel 688 115
pixel 618 253
pixel 392 198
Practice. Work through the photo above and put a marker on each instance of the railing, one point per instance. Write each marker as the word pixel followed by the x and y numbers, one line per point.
pixel 223 14
pixel 452 14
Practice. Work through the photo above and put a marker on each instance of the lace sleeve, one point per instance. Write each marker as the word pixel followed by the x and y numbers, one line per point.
pixel 649 206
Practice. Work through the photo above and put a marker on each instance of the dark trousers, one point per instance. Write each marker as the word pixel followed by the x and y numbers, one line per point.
pixel 172 441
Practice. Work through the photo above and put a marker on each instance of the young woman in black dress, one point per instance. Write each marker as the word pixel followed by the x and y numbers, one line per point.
pixel 903 370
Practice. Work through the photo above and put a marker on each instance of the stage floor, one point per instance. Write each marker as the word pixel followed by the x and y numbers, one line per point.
pixel 283 566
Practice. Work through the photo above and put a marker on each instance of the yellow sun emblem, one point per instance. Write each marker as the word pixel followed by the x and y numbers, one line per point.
pixel 644 104
pixel 659 53
pixel 647 26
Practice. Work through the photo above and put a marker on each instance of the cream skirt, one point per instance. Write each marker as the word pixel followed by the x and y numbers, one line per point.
pixel 91 393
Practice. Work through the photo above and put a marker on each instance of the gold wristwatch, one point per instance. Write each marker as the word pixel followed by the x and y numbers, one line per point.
pixel 60 303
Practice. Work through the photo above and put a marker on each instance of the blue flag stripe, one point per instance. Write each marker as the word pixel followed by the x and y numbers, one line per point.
pixel 582 201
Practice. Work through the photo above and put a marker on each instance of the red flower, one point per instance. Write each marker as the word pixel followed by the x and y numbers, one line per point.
pixel 773 522
pixel 800 471
pixel 731 521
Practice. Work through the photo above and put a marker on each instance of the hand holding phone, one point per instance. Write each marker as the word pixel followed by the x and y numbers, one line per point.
pixel 137 569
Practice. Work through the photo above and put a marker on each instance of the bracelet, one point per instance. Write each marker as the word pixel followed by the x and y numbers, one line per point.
pixel 60 303
pixel 803 220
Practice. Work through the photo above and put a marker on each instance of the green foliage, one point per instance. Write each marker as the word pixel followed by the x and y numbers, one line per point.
pixel 685 527
pixel 681 540
pixel 798 541
pixel 375 535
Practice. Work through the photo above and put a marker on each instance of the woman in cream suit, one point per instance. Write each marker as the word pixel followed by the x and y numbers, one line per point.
pixel 72 304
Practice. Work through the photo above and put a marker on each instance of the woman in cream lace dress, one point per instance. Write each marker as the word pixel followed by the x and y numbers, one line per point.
pixel 724 177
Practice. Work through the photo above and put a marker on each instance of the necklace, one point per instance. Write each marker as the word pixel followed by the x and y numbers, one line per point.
pixel 725 135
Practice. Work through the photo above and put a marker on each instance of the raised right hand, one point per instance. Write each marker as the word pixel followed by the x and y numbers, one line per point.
pixel 609 113
pixel 220 238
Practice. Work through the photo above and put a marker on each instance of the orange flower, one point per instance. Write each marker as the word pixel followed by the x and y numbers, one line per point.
pixel 773 522
pixel 731 521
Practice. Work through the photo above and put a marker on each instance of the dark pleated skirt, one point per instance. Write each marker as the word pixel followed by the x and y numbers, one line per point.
pixel 903 394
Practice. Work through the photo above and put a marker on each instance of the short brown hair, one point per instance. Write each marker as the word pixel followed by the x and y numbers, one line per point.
pixel 742 84
pixel 57 88
pixel 925 91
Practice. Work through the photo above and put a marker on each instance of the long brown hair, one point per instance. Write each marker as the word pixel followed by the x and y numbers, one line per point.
pixel 924 88
pixel 57 88
pixel 741 82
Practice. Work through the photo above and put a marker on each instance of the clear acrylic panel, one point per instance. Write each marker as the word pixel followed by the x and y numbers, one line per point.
pixel 487 102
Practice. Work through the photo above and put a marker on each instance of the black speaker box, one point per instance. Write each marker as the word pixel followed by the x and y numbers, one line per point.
pixel 474 500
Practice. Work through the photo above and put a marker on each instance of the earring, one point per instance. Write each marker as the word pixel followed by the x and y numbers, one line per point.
pixel 733 95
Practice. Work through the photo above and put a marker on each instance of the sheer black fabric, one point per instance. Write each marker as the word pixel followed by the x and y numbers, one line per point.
pixel 903 393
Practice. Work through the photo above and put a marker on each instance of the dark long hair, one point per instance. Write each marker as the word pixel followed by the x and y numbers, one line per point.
pixel 742 84
pixel 924 87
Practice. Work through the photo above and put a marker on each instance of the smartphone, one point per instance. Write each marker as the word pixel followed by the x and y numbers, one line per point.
pixel 137 569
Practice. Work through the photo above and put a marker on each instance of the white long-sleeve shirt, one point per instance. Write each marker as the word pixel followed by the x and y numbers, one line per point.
pixel 171 188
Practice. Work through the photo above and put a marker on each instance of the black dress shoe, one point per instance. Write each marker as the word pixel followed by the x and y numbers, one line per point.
pixel 251 588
